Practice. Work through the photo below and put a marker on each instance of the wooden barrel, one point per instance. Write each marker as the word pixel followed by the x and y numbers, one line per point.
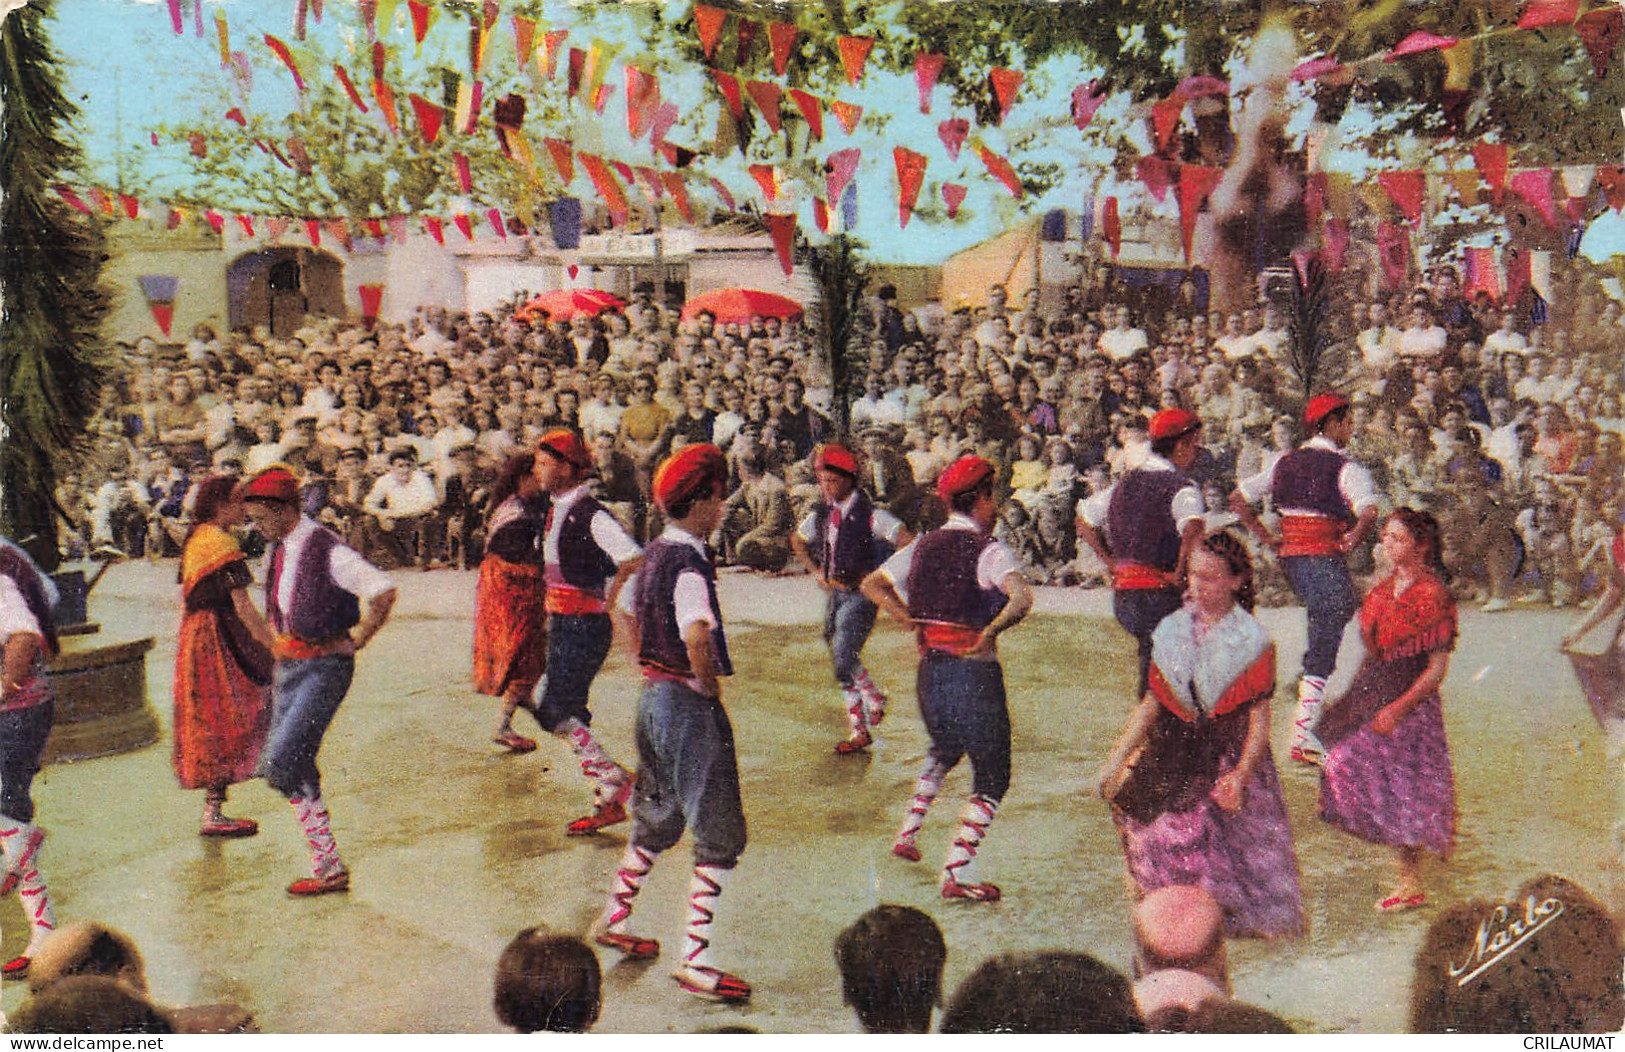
pixel 101 699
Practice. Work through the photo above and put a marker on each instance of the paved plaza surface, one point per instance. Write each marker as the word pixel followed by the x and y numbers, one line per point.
pixel 455 846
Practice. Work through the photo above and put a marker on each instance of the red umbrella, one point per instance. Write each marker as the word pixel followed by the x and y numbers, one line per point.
pixel 564 304
pixel 740 305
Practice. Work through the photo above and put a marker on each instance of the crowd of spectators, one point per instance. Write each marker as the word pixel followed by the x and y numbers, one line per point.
pixel 1509 431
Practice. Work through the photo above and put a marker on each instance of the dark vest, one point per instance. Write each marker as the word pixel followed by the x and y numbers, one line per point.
pixel 942 582
pixel 1140 520
pixel 1306 478
pixel 582 564
pixel 660 643
pixel 857 550
pixel 321 609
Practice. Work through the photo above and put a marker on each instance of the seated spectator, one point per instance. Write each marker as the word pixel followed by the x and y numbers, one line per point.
pixel 757 518
pixel 891 962
pixel 1548 961
pixel 89 1004
pixel 1048 992
pixel 547 983
pixel 402 524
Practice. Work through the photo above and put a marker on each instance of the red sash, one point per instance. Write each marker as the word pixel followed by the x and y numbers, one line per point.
pixel 1310 535
pixel 948 638
pixel 562 599
pixel 1127 576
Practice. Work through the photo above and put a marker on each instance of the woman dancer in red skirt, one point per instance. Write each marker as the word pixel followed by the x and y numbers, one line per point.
pixel 510 619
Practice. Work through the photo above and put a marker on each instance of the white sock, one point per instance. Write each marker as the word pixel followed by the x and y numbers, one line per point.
pixel 973 823
pixel 925 791
pixel 703 893
pixel 317 824
pixel 629 877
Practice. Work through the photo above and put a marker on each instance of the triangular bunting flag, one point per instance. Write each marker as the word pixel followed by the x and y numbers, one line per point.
pixel 374 228
pixel 953 133
pixel 1006 82
pixel 465 175
pixel 847 114
pixel 1480 274
pixel 1156 173
pixel 275 227
pixel 708 24
pixel 729 86
pixel 559 150
pixel 1111 227
pixel 1405 190
pixel 1611 178
pixel 435 228
pixel 235 114
pixel 1491 161
pixel 524 39
pixel 1314 69
pixel 623 170
pixel 313 233
pixel 665 117
pixel 1200 87
pixel 494 217
pixel 464 224
pixel 821 215
pixel 1578 179
pixel 102 200
pixel 160 291
pixel 766 96
pixel 1195 183
pixel 349 87
pixel 246 223
pixel 1516 263
pixel 281 51
pixel 953 195
pixel 552 44
pixel 1535 187
pixel 910 175
pixel 216 221
pixel 812 110
pixel 927 68
pixel 1165 120
pixel 1394 250
pixel 767 177
pixel 1417 43
pixel 723 192
pixel 1086 99
pixel 1002 169
pixel 678 189
pixel 429 117
pixel 132 208
pixel 371 296
pixel 420 19
pixel 577 65
pixel 1600 31
pixel 176 217
pixel 854 53
pixel 839 169
pixel 397 229
pixel 1538 14
pixel 608 188
pixel 175 21
pixel 642 98
pixel 783 229
pixel 781 37
pixel 340 229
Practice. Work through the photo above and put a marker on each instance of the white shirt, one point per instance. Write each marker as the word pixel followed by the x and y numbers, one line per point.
pixel 600 418
pixel 1123 343
pixel 15 617
pixel 1417 343
pixel 882 410
pixel 1500 342
pixel 350 571
pixel 415 496
pixel 1186 506
pixel 993 569
pixel 1353 482
pixel 610 536
pixel 1378 346
pixel 884 524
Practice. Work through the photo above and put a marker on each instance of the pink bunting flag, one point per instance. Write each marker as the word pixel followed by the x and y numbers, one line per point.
pixel 854 53
pixel 236 114
pixel 1419 43
pixel 953 195
pixel 1491 160
pixel 1405 190
pixel 1156 173
pixel 723 192
pixel 927 68
pixel 847 114
pixel 1002 170
pixel 313 232
pixel 576 68
pixel 436 229
pixel 1111 227
pixel 781 37
pixel 397 229
pixel 649 179
pixel 275 227
pixel 1538 14
pixel 953 133
pixel 783 229
pixel 1600 30
pixel 708 24
pixel 175 20
pixel 766 96
pixel 559 150
pixel 812 110
pixel 176 216
pixel 339 228
pixel 246 223
pixel 217 222
pixel 839 169
pixel 729 86
pixel 282 52
pixel 1006 82
pixel 463 223
pixel 821 215
pixel 1086 99
pixel 664 119
pixel 1201 87
pixel 465 175
pixel 910 175
pixel 1195 183
pixel 494 217
pixel 371 296
pixel 73 199
pixel 767 177
pixel 429 117
pixel 642 99
pixel 1314 69
pixel 1535 186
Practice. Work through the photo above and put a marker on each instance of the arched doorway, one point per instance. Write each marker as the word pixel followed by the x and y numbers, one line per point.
pixel 278 287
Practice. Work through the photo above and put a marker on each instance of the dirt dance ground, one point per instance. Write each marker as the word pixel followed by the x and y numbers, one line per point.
pixel 455 846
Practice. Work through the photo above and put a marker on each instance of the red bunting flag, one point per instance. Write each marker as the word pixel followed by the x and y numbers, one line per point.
pixel 781 37
pixel 282 53
pixel 723 192
pixel 649 179
pixel 1419 43
pixel 821 215
pixel 1600 31
pixel 175 218
pixel 854 53
pixel 678 189
pixel 766 96
pixel 349 87
pixel 340 229
pixel 199 143
pixel 847 114
pixel 160 290
pixel 664 118
pixel 524 39
pixel 1006 82
pixel 642 99
pixel 729 85
pixel 245 222
pixel 154 137
pixel 1535 187
pixel 953 133
pixel 1111 227
pixel 1086 99
pixel 1611 178
pixel 435 228
pixel 608 188
pixel 1195 183
pixel 371 296
pixel 236 114
pixel 927 68
pixel 812 110
pixel 783 229
pixel 1157 173
pixel 1478 265
pixel 384 95
pixel 1165 120
pixel 313 232
pixel 551 43
pixel 420 19
pixel 1405 190
pixel 746 34
pixel 1491 160
pixel 1538 14
pixel 1002 169
pixel 559 150
pixel 623 170
pixel 217 222
pixel 708 24
pixel 953 195
pixel 465 175
pixel 429 117
pixel 1518 273
pixel 839 169
pixel 577 67
pixel 910 175
pixel 73 199
pixel 374 228
pixel 464 224
pixel 1394 249
pixel 494 217
pixel 767 177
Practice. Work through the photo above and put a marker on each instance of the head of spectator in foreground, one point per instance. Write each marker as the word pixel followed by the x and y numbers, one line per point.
pixel 1547 961
pixel 1181 927
pixel 87 948
pixel 89 1004
pixel 547 983
pixel 562 460
pixel 272 499
pixel 891 962
pixel 1048 992
pixel 1176 436
pixel 1330 414
pixel 1217 1017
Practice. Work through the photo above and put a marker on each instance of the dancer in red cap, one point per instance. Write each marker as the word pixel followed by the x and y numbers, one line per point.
pixel 841 541
pixel 960 590
pixel 1145 526
pixel 315 591
pixel 1327 505
pixel 588 557
pixel 688 773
